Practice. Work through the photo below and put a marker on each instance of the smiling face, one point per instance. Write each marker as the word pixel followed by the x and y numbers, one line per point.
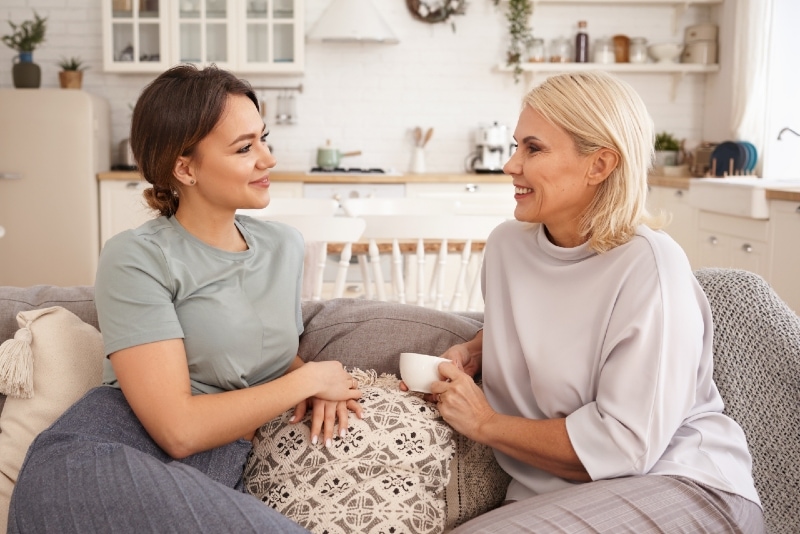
pixel 553 183
pixel 230 166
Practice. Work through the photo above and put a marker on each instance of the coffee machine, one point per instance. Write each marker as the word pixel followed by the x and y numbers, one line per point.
pixel 493 148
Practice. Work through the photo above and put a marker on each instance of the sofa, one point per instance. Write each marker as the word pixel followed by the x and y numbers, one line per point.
pixel 757 369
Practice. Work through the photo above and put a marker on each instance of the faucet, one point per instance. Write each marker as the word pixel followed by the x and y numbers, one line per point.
pixel 787 129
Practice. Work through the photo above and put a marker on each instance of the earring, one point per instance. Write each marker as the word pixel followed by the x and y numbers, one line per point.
pixel 192 182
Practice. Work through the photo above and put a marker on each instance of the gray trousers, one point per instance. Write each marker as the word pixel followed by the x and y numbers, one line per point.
pixel 97 470
pixel 635 505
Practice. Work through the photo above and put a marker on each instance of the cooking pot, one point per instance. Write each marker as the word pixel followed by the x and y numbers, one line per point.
pixel 328 157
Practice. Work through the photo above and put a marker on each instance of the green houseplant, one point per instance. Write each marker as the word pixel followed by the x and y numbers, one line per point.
pixel 520 34
pixel 25 38
pixel 666 148
pixel 71 75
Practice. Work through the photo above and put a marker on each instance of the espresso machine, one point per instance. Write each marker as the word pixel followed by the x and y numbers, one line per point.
pixel 492 149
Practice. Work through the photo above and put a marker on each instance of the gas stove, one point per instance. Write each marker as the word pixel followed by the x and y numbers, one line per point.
pixel 355 171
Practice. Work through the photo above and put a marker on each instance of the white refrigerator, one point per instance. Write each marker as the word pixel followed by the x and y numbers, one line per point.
pixel 53 142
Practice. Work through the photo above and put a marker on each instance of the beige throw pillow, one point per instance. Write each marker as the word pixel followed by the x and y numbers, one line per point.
pixel 67 362
pixel 400 469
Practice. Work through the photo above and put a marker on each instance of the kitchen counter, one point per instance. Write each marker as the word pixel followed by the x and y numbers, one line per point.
pixel 790 194
pixel 301 176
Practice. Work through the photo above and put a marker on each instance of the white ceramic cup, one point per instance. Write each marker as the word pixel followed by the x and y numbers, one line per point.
pixel 419 371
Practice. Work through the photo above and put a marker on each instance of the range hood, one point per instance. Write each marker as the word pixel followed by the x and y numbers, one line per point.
pixel 352 21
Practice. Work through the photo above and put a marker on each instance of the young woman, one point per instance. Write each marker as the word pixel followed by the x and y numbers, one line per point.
pixel 596 352
pixel 200 314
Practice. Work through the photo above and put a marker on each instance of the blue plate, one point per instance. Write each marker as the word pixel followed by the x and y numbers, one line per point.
pixel 752 156
pixel 728 156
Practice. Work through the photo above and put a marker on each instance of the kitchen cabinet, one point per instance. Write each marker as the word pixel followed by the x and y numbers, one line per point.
pixel 123 207
pixel 735 242
pixel 245 36
pixel 784 274
pixel 682 226
pixel 135 36
pixel 475 198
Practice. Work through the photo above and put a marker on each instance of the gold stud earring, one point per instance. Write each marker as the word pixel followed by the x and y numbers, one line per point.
pixel 192 182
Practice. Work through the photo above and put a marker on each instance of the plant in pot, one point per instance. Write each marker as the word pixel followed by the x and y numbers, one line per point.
pixel 71 75
pixel 25 38
pixel 666 148
pixel 518 13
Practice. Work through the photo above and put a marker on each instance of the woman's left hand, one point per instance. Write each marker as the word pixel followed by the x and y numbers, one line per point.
pixel 324 415
pixel 460 401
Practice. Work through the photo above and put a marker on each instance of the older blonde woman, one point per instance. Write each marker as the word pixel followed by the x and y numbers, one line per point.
pixel 596 352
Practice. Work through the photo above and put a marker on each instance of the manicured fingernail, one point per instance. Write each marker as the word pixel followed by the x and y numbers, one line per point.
pixel 342 433
pixel 313 440
pixel 328 442
pixel 291 419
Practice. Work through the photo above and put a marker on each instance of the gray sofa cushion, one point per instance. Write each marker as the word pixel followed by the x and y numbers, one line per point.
pixel 77 299
pixel 371 335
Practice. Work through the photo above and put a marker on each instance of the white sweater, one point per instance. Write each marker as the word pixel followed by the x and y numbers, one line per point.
pixel 620 344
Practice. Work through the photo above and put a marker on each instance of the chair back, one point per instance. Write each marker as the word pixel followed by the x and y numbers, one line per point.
pixel 321 232
pixel 356 207
pixel 757 371
pixel 294 206
pixel 412 240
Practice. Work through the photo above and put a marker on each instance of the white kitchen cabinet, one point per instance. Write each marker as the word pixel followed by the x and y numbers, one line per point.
pixel 123 207
pixel 682 226
pixel 135 36
pixel 477 198
pixel 735 242
pixel 785 253
pixel 244 36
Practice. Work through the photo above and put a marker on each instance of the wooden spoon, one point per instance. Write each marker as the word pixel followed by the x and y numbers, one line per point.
pixel 418 136
pixel 428 136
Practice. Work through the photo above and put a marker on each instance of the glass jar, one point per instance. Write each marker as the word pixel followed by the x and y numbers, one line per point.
pixel 560 50
pixel 637 52
pixel 536 53
pixel 603 51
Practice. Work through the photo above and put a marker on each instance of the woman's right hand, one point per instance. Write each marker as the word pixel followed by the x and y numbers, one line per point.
pixel 460 356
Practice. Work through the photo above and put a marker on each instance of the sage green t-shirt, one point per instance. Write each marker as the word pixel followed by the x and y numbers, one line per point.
pixel 238 313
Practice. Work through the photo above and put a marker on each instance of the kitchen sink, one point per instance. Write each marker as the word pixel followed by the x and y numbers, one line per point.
pixel 740 196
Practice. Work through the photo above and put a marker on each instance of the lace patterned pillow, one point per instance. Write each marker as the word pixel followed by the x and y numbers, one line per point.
pixel 390 473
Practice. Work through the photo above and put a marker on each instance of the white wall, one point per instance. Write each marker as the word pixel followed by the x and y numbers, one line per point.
pixel 370 97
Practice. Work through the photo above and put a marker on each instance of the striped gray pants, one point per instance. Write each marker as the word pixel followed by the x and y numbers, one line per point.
pixel 97 470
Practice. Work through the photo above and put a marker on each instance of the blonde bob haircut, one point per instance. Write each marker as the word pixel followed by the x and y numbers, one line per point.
pixel 599 111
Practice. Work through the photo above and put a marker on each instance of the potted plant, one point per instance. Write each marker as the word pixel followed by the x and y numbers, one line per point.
pixel 71 75
pixel 25 38
pixel 666 148
pixel 520 34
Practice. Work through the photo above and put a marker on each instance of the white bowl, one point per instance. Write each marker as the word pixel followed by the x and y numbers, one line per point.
pixel 665 52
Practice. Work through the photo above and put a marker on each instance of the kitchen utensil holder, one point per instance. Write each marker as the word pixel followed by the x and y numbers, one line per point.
pixel 417 160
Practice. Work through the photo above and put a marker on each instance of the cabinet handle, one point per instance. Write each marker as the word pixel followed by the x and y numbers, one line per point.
pixel 10 176
pixel 747 247
pixel 471 188
pixel 679 193
pixel 132 185
pixel 713 240
pixel 797 209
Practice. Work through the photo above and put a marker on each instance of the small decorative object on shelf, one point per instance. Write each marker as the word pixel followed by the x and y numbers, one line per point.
pixel 520 33
pixel 71 75
pixel 434 11
pixel 582 43
pixel 25 38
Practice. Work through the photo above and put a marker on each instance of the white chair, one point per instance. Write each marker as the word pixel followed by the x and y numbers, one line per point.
pixel 294 206
pixel 413 239
pixel 355 207
pixel 321 232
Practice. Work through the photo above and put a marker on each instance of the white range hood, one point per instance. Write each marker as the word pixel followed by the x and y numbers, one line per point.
pixel 352 21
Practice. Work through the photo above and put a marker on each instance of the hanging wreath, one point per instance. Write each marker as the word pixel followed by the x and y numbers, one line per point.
pixel 434 11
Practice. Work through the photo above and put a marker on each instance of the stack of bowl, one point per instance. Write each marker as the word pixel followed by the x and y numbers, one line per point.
pixel 700 43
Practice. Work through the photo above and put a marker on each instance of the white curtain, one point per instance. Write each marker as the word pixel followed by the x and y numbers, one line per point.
pixel 751 50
